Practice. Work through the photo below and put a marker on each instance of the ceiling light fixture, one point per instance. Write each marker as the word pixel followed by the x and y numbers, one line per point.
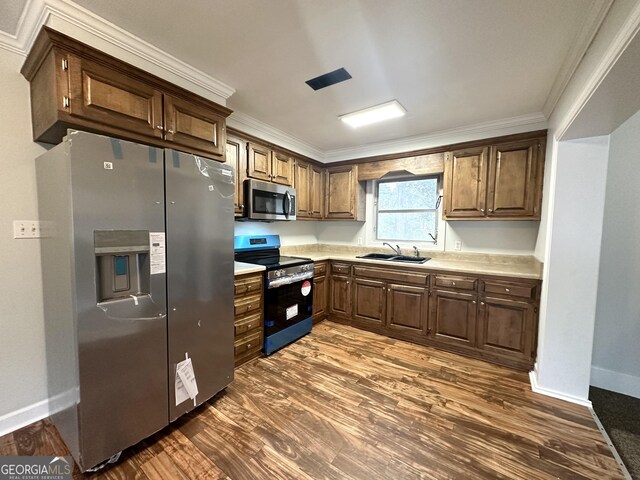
pixel 379 113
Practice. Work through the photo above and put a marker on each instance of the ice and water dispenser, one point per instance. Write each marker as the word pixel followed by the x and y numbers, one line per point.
pixel 122 264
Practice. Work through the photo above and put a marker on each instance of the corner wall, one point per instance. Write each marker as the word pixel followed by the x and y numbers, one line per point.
pixel 22 349
pixel 616 362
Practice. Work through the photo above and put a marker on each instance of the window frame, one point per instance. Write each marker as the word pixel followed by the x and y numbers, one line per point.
pixel 437 211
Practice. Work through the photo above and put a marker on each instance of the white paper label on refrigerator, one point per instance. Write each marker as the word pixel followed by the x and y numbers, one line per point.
pixel 292 311
pixel 186 386
pixel 157 253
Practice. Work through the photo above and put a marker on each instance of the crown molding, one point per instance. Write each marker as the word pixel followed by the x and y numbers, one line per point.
pixel 615 49
pixel 252 126
pixel 47 12
pixel 497 128
pixel 595 16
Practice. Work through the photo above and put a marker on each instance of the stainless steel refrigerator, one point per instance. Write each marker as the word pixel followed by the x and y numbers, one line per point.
pixel 137 266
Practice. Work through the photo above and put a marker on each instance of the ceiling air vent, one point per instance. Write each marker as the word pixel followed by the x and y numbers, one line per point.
pixel 329 79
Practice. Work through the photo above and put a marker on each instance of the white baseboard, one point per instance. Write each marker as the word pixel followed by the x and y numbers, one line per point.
pixel 615 381
pixel 24 416
pixel 533 378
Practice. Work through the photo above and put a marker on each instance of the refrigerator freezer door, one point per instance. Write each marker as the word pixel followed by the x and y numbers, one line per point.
pixel 199 219
pixel 117 195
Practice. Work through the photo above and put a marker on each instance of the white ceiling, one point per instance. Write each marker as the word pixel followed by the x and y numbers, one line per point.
pixel 10 12
pixel 450 63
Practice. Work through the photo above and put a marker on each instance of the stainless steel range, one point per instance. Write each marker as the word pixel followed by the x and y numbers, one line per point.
pixel 288 304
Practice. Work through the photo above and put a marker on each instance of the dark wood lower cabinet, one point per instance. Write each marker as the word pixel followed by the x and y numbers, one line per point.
pixel 319 298
pixel 407 308
pixel 453 317
pixel 505 327
pixel 340 296
pixel 369 301
pixel 491 318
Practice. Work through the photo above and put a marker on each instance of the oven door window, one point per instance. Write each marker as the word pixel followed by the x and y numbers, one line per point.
pixel 287 305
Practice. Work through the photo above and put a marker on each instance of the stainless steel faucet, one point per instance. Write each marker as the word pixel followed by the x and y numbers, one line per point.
pixel 416 251
pixel 396 250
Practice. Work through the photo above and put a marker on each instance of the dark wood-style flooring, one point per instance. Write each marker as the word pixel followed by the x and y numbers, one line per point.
pixel 343 403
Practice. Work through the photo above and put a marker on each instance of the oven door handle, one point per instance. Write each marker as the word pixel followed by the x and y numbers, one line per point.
pixel 279 282
pixel 287 204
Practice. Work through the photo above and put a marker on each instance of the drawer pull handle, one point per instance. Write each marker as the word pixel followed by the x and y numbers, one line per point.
pixel 248 345
pixel 507 290
pixel 249 306
pixel 248 325
pixel 453 283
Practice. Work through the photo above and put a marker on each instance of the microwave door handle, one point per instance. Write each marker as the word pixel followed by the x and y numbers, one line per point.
pixel 287 204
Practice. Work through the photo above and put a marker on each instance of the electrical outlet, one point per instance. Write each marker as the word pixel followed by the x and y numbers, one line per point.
pixel 458 246
pixel 26 229
pixel 359 240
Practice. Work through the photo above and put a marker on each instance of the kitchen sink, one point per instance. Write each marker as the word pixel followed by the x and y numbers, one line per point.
pixel 394 258
pixel 378 256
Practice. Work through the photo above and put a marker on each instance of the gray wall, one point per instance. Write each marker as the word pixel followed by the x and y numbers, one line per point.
pixel 616 346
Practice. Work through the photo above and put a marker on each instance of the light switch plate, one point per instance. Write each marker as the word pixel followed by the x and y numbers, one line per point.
pixel 458 246
pixel 26 229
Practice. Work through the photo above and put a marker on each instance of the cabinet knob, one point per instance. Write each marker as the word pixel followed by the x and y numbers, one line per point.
pixel 474 302
pixel 482 210
pixel 248 325
pixel 159 127
pixel 249 306
pixel 248 345
pixel 453 283
pixel 507 290
pixel 347 282
pixel 171 131
pixel 481 303
pixel 490 210
pixel 241 206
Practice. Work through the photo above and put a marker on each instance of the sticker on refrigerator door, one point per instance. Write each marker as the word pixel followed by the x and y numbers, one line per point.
pixel 185 383
pixel 292 311
pixel 157 253
pixel 108 165
pixel 306 288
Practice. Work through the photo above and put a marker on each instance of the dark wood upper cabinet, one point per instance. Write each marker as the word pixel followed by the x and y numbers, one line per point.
pixel 74 85
pixel 513 173
pixel 235 157
pixel 344 195
pixel 407 308
pixel 500 182
pixel 102 95
pixel 453 317
pixel 258 161
pixel 465 180
pixel 304 189
pixel 282 167
pixel 316 192
pixel 369 301
pixel 193 127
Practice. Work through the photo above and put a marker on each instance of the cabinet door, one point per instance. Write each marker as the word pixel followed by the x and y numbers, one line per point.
pixel 407 308
pixel 303 191
pixel 258 162
pixel 340 192
pixel 194 127
pixel 512 179
pixel 369 301
pixel 465 182
pixel 506 327
pixel 111 98
pixel 235 158
pixel 316 193
pixel 453 317
pixel 319 298
pixel 282 168
pixel 340 295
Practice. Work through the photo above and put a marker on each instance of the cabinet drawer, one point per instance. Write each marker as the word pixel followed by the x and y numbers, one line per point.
pixel 247 304
pixel 391 274
pixel 248 323
pixel 450 281
pixel 248 285
pixel 250 342
pixel 343 268
pixel 319 268
pixel 520 290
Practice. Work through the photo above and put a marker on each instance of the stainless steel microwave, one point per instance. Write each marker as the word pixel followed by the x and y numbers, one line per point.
pixel 269 201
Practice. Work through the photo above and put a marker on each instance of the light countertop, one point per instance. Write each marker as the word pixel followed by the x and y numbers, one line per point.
pixel 241 268
pixel 471 263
